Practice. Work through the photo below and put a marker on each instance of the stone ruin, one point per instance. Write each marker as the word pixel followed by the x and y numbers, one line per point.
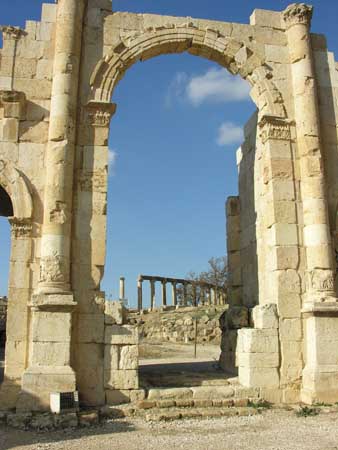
pixel 57 80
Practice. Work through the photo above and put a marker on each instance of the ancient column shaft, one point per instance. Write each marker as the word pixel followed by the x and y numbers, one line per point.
pixel 139 294
pixel 122 288
pixel 55 244
pixel 164 293
pixel 316 232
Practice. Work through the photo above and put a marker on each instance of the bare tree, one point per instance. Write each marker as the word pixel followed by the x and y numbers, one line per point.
pixel 216 275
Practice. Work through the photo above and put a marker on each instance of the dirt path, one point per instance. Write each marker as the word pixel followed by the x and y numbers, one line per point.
pixel 272 430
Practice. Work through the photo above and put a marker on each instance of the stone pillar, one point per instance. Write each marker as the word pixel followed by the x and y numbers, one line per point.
pixel 174 293
pixel 164 292
pixel 49 361
pixel 184 299
pixel 320 307
pixel 122 288
pixel 213 296
pixel 152 294
pixel 232 209
pixel 139 294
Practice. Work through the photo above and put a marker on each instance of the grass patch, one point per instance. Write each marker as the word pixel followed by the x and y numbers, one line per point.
pixel 307 411
pixel 260 404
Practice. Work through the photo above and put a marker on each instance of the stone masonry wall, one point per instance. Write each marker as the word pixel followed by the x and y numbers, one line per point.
pixel 177 325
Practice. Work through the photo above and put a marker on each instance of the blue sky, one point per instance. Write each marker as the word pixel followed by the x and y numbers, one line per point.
pixel 173 142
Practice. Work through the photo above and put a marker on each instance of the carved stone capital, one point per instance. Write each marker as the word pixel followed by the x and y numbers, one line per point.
pixel 20 229
pixel 53 269
pixel 276 128
pixel 10 32
pixel 322 282
pixel 298 13
pixel 13 103
pixel 98 114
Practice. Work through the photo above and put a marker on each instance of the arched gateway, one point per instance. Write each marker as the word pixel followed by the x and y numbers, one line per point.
pixel 57 79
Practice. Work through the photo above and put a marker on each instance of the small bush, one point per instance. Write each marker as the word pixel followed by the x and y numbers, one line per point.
pixel 306 411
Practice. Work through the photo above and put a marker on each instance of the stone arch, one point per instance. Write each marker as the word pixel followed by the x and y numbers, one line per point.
pixel 239 58
pixel 15 186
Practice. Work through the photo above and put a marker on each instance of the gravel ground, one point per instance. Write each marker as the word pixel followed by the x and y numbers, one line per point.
pixel 273 430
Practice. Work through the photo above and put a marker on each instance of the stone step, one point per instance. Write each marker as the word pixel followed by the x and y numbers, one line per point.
pixel 192 403
pixel 197 413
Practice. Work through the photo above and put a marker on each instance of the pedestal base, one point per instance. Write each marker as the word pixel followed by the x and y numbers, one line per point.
pixel 320 385
pixel 39 382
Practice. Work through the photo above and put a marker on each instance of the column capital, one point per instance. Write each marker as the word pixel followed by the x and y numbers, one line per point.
pixel 10 32
pixel 98 114
pixel 274 127
pixel 298 13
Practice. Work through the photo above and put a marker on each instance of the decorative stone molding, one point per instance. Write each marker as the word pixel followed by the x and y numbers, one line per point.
pixel 13 103
pixel 20 229
pixel 98 114
pixel 322 280
pixel 276 128
pixel 52 269
pixel 10 32
pixel 298 13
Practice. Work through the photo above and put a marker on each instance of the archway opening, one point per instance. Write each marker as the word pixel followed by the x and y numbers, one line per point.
pixel 159 204
pixel 6 210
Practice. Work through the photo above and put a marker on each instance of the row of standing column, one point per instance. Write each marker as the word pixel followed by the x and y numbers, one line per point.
pixel 213 296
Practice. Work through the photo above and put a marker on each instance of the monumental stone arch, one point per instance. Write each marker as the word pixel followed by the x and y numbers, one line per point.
pixel 57 79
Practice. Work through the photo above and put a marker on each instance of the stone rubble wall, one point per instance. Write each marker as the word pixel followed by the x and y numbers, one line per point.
pixel 177 325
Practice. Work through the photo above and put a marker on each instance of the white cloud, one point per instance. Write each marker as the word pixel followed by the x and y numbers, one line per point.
pixel 229 133
pixel 218 86
pixel 176 89
pixel 112 155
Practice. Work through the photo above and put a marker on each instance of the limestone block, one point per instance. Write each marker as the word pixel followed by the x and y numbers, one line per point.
pixel 111 357
pixel 39 109
pixel 115 312
pixel 272 395
pixel 16 351
pixel 286 281
pixel 89 369
pixel 291 396
pixel 258 377
pixel 48 12
pixel 277 54
pixel 34 89
pixel 5 83
pixel 44 69
pixel 280 212
pixel 258 360
pixel 90 328
pixel 283 234
pixel 128 357
pixel 51 327
pixel 284 257
pixel 10 130
pixel 19 276
pixel 266 18
pixel 95 157
pixel 251 340
pixel 290 329
pixel 265 316
pixel 289 305
pixel 50 354
pixel 44 31
pixel 121 335
pixel 170 394
pixel 121 379
pixel 117 397
pixel 315 235
pixel 283 190
pixel 212 392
